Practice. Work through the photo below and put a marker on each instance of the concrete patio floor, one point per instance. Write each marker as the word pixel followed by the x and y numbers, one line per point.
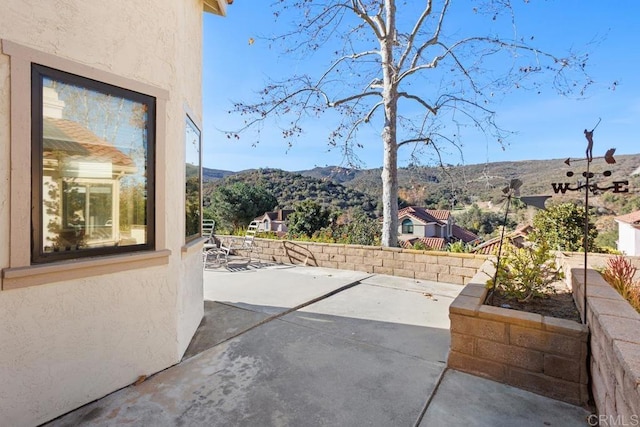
pixel 307 346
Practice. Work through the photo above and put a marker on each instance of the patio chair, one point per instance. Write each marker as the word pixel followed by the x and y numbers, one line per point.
pixel 247 244
pixel 208 225
pixel 214 254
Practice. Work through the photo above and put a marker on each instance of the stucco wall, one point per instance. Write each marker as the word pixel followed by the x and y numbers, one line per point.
pixel 628 239
pixel 419 230
pixel 67 343
pixel 4 156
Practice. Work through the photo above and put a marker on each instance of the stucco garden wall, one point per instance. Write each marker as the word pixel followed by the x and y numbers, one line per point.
pixel 66 343
pixel 457 268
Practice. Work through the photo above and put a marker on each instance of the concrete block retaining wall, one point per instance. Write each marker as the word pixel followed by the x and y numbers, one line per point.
pixel 457 268
pixel 538 353
pixel 615 346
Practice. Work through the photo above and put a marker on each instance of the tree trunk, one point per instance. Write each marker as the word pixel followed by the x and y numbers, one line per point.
pixel 390 189
pixel 389 138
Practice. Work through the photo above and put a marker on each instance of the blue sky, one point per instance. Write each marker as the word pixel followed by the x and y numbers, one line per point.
pixel 546 125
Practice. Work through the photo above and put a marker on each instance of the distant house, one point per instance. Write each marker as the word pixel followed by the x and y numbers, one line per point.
pixel 274 221
pixel 434 228
pixel 516 238
pixel 629 233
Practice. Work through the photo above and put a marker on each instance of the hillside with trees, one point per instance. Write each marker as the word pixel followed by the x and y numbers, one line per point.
pixel 291 188
pixel 473 191
pixel 438 187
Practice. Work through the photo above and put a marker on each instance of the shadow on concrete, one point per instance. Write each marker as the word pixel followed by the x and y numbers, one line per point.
pixel 238 263
pixel 220 323
pixel 299 255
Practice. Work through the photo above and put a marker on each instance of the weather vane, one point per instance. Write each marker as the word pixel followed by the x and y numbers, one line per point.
pixel 594 188
pixel 617 186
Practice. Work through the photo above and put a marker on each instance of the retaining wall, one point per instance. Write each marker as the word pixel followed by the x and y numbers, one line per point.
pixel 542 354
pixel 615 346
pixel 457 268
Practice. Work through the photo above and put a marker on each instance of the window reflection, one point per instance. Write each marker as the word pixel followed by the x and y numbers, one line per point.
pixel 193 190
pixel 94 168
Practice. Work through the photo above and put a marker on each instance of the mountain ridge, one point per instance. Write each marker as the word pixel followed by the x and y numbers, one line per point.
pixel 445 187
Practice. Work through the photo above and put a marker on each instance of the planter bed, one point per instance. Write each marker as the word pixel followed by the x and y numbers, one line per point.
pixel 542 354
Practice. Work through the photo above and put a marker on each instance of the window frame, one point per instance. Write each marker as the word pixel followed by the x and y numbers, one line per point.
pixel 407 226
pixel 191 122
pixel 38 72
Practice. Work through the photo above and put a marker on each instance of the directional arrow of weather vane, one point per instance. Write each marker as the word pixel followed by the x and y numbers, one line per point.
pixel 608 157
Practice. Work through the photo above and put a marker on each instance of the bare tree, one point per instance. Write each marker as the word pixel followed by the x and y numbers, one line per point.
pixel 392 56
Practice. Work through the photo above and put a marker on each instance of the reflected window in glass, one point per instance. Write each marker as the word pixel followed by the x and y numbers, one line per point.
pixel 92 167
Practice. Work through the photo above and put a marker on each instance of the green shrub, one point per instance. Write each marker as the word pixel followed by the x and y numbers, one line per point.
pixel 459 247
pixel 420 246
pixel 526 273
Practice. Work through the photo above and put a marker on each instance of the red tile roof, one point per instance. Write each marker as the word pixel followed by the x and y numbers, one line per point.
pixel 516 238
pixel 632 218
pixel 463 234
pixel 440 217
pixel 77 141
pixel 425 215
pixel 437 243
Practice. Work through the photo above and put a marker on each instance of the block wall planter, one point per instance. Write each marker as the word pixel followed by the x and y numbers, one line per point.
pixel 615 346
pixel 542 354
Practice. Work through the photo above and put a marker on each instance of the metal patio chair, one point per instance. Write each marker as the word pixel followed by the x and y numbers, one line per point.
pixel 247 244
pixel 214 254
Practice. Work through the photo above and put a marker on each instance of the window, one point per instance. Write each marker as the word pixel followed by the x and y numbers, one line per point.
pixel 193 179
pixel 407 226
pixel 93 167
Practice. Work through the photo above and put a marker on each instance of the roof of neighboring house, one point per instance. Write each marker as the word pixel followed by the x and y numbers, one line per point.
pixel 279 215
pixel 440 217
pixel 77 141
pixel 632 218
pixel 463 234
pixel 491 246
pixel 437 243
pixel 425 215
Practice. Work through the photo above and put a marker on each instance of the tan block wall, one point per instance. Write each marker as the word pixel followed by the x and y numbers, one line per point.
pixel 615 346
pixel 457 268
pixel 537 353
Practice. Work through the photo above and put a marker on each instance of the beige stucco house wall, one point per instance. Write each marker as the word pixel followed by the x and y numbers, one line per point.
pixel 72 332
pixel 629 233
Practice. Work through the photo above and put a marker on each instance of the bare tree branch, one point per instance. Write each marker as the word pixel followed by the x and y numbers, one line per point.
pixel 374 24
pixel 375 59
pixel 353 97
pixel 433 110
pixel 434 38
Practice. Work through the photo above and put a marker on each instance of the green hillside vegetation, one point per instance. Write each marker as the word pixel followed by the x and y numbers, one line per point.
pixel 435 187
pixel 452 187
pixel 291 188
